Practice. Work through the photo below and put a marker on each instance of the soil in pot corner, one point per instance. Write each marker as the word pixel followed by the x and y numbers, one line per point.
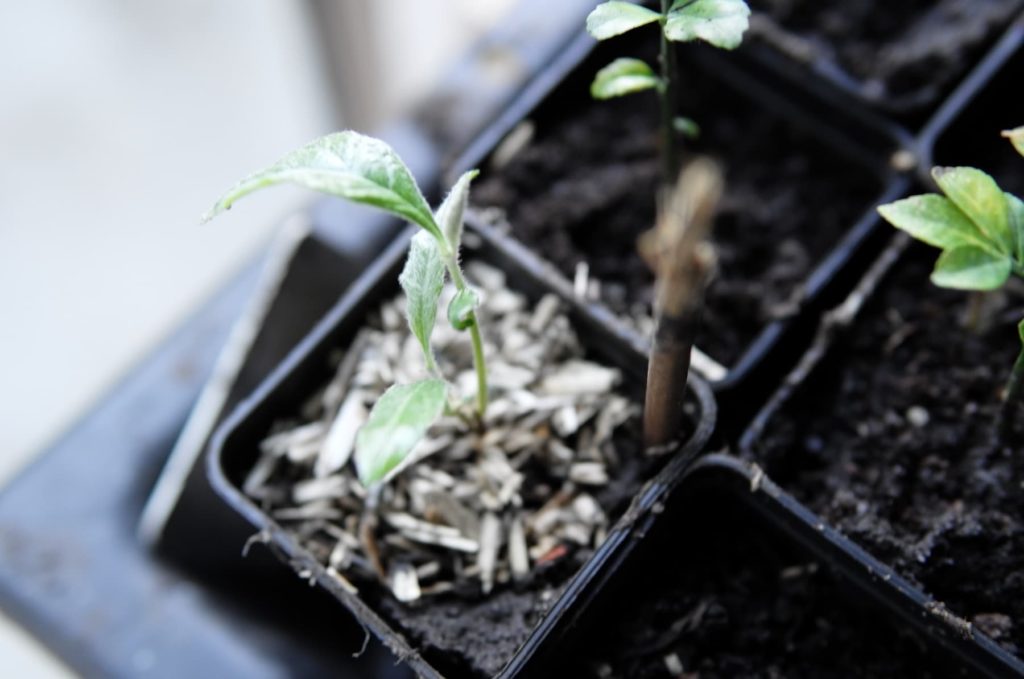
pixel 893 442
pixel 718 594
pixel 906 53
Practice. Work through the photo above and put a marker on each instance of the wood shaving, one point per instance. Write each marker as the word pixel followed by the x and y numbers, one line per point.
pixel 487 507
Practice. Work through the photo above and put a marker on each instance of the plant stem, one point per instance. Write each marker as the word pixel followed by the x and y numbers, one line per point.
pixel 667 94
pixel 431 364
pixel 1014 389
pixel 479 363
pixel 679 251
pixel 481 367
pixel 667 371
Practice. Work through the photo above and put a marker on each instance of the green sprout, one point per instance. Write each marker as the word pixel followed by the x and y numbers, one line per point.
pixel 980 230
pixel 366 170
pixel 718 22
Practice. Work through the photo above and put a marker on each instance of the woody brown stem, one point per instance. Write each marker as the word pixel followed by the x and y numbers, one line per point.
pixel 667 371
pixel 679 252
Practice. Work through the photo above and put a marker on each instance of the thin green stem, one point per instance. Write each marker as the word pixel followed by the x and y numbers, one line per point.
pixel 479 363
pixel 481 367
pixel 667 94
pixel 1014 391
pixel 431 363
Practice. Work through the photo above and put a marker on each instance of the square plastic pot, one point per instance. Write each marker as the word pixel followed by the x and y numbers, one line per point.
pixel 235 449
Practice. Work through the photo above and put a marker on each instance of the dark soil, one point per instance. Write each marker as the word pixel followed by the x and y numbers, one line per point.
pixel 731 599
pixel 941 500
pixel 584 191
pixel 902 54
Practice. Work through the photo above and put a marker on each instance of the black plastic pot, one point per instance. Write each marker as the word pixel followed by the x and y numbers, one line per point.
pixel 853 135
pixel 798 60
pixel 812 382
pixel 886 625
pixel 235 449
pixel 965 131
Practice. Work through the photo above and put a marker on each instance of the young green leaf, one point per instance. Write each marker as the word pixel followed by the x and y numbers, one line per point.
pixel 422 279
pixel 451 214
pixel 1016 137
pixel 934 220
pixel 718 22
pixel 615 18
pixel 623 76
pixel 971 268
pixel 687 127
pixel 398 421
pixel 462 307
pixel 345 164
pixel 980 198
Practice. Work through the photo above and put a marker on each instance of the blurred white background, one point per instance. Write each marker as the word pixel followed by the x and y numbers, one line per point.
pixel 120 122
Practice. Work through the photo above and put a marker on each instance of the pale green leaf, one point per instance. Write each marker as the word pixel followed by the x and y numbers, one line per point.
pixel 1020 330
pixel 687 127
pixel 345 164
pixel 398 421
pixel 422 279
pixel 980 198
pixel 462 307
pixel 451 214
pixel 971 268
pixel 1016 137
pixel 615 18
pixel 623 76
pixel 933 219
pixel 718 22
pixel 1015 217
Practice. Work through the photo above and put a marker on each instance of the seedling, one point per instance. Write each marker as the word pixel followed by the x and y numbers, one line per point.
pixel 366 170
pixel 718 22
pixel 677 249
pixel 980 230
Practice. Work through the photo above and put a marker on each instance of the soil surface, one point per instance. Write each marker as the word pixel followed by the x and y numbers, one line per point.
pixel 583 191
pixel 903 54
pixel 893 442
pixel 724 597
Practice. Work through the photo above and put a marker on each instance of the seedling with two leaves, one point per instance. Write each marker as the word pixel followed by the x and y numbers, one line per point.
pixel 980 230
pixel 368 171
pixel 679 248
pixel 717 22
